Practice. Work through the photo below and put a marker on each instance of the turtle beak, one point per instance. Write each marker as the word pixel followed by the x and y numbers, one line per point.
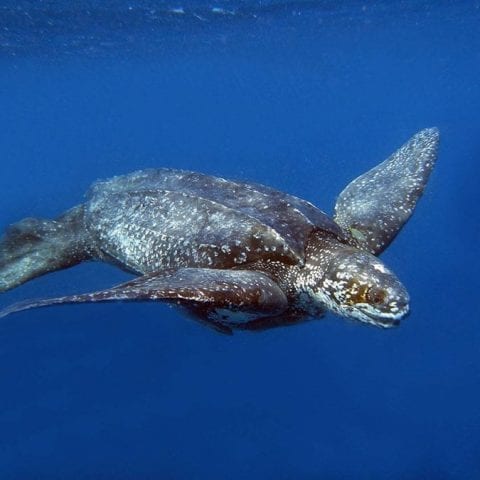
pixel 387 318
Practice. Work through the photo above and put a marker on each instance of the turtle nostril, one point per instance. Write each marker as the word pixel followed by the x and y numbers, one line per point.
pixel 403 301
pixel 398 298
pixel 400 304
pixel 397 302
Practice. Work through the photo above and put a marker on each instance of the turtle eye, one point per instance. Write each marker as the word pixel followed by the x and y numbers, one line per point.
pixel 376 296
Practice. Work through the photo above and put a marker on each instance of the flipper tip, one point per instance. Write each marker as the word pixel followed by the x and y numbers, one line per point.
pixel 429 137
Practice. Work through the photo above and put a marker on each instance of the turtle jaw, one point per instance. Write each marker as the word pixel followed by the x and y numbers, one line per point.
pixel 366 314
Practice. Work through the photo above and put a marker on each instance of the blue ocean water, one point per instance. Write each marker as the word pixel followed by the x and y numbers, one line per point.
pixel 299 95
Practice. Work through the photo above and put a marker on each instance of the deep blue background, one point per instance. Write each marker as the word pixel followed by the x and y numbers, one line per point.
pixel 303 97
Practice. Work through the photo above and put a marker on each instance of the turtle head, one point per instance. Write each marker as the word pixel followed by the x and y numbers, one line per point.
pixel 356 284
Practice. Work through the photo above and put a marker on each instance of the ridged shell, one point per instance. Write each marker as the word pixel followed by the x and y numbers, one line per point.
pixel 158 219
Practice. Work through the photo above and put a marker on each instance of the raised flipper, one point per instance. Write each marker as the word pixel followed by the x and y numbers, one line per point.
pixel 34 246
pixel 374 207
pixel 208 292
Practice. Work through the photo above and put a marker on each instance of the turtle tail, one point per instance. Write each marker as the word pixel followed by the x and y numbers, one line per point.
pixel 34 246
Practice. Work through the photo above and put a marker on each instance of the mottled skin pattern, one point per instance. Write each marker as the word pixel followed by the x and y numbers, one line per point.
pixel 235 255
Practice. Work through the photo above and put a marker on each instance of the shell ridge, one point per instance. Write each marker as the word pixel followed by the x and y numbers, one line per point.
pixel 264 231
pixel 291 217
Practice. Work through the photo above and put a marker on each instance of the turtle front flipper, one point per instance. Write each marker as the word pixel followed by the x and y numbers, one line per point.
pixel 374 207
pixel 211 293
pixel 35 246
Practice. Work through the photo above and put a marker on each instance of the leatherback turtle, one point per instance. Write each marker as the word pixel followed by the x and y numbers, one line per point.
pixel 234 254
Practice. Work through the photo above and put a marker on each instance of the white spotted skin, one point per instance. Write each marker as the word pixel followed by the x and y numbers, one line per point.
pixel 234 253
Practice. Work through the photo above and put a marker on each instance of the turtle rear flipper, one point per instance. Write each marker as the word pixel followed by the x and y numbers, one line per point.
pixel 33 247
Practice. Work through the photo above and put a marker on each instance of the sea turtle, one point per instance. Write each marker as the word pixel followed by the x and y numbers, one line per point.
pixel 236 255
